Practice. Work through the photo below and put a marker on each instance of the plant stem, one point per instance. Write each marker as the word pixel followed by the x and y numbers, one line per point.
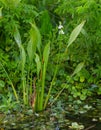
pixel 57 96
pixel 13 88
pixel 43 85
pixel 48 95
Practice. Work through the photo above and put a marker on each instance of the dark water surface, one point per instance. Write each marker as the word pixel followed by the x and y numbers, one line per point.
pixel 49 122
pixel 53 119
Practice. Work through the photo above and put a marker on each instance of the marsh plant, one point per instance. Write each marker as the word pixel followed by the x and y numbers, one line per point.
pixel 34 58
pixel 34 86
pixel 34 50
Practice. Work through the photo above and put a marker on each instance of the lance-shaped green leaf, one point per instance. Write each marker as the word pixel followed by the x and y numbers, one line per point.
pixel 1 12
pixel 23 57
pixel 45 61
pixel 17 37
pixel 38 63
pixel 34 42
pixel 78 68
pixel 75 33
pixel 46 54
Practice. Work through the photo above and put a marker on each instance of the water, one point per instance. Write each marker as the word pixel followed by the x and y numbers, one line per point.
pixel 56 118
pixel 49 121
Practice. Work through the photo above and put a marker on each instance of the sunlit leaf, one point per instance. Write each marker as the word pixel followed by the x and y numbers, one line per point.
pixel 78 68
pixel 38 62
pixel 10 3
pixel 23 58
pixel 75 33
pixel 17 37
pixel 2 83
pixel 1 12
pixel 46 53
pixel 34 42
pixel 82 79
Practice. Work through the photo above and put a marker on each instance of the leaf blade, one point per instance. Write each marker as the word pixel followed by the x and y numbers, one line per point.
pixel 34 42
pixel 78 68
pixel 75 33
pixel 46 54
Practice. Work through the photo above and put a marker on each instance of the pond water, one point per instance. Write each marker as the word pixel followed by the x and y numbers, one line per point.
pixel 49 122
pixel 55 118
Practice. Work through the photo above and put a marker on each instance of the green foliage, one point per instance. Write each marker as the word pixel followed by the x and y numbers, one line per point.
pixel 7 105
pixel 32 66
pixel 46 25
pixel 34 42
pixel 75 33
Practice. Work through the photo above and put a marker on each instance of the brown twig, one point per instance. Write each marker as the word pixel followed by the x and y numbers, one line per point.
pixel 90 127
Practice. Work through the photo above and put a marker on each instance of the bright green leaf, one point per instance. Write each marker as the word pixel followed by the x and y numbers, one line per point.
pixel 1 12
pixel 46 54
pixel 75 33
pixel 38 62
pixel 82 79
pixel 78 68
pixel 34 42
pixel 17 37
pixel 23 58
pixel 2 83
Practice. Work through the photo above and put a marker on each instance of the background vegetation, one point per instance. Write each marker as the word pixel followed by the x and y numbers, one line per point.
pixel 33 38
